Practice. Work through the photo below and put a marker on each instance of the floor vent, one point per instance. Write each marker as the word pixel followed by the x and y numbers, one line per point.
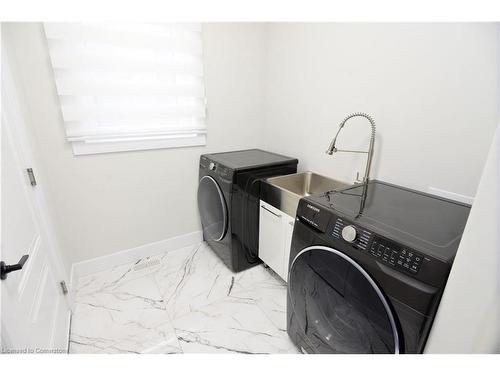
pixel 148 263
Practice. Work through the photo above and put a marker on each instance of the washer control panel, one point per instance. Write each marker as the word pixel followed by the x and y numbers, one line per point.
pixel 358 237
pixel 395 255
pixel 386 251
pixel 216 169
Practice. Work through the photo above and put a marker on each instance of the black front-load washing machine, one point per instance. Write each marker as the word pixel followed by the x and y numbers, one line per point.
pixel 228 201
pixel 368 266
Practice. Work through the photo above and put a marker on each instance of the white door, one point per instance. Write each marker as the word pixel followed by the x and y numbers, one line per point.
pixel 34 310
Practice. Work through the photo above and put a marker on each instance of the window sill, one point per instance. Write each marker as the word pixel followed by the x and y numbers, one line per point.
pixel 105 146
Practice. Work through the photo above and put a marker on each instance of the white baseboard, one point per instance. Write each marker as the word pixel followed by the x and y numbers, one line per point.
pixel 90 266
pixel 451 195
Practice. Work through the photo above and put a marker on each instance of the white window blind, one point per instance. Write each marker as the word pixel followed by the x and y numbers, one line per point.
pixel 129 86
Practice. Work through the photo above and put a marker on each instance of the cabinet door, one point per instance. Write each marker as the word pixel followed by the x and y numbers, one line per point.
pixel 271 237
pixel 288 223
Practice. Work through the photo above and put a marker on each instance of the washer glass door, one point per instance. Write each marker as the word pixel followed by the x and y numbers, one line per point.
pixel 336 307
pixel 212 207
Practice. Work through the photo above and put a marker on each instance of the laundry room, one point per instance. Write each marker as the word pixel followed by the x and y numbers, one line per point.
pixel 257 187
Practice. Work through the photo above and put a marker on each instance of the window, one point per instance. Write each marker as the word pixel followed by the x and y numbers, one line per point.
pixel 129 86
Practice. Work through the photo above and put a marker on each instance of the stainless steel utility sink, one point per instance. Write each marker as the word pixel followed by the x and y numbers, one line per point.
pixel 284 192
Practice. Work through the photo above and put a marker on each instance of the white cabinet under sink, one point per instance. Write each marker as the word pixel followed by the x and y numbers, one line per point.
pixel 275 237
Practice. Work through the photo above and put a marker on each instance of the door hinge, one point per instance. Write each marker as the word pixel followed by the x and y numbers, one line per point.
pixel 31 176
pixel 64 287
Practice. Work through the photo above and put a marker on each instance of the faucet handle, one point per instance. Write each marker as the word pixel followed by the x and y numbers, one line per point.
pixel 358 181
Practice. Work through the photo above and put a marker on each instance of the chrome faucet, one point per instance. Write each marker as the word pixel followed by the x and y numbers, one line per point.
pixel 333 148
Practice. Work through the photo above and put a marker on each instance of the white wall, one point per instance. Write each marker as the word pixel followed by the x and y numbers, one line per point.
pixel 111 202
pixel 468 319
pixel 283 87
pixel 432 89
pixel 469 314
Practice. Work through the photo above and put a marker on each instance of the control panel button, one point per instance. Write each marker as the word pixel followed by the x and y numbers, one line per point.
pixel 403 259
pixel 211 166
pixel 380 251
pixel 349 233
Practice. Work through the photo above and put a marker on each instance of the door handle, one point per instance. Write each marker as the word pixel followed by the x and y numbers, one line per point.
pixel 6 269
pixel 271 212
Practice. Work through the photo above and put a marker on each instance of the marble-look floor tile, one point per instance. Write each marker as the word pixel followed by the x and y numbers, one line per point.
pixel 157 340
pixel 269 294
pixel 230 326
pixel 191 279
pixel 185 300
pixel 125 318
pixel 108 279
